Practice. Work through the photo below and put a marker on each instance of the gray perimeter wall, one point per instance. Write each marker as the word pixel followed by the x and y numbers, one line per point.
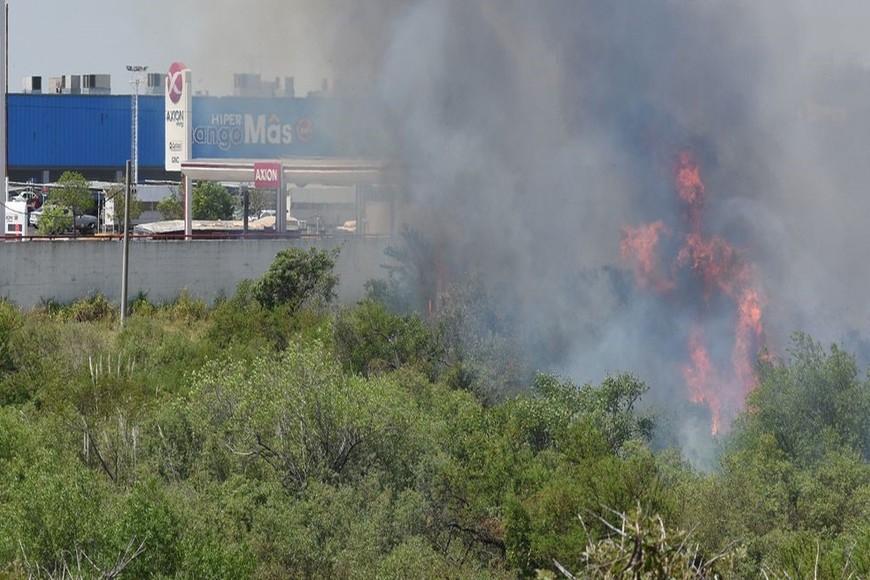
pixel 34 271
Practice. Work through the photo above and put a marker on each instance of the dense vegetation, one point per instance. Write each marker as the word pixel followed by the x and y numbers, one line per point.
pixel 271 435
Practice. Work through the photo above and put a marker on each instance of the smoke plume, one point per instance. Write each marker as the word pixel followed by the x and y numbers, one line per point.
pixel 534 133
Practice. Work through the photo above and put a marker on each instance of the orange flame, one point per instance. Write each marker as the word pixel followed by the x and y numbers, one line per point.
pixel 715 261
pixel 719 267
pixel 748 333
pixel 639 245
pixel 699 373
pixel 690 188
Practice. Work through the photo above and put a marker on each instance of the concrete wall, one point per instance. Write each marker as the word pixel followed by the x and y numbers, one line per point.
pixel 32 271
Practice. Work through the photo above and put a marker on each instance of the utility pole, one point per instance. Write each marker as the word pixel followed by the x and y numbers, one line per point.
pixel 125 261
pixel 137 72
pixel 4 64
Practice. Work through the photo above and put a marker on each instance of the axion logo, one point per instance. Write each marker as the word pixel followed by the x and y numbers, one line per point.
pixel 175 81
pixel 267 175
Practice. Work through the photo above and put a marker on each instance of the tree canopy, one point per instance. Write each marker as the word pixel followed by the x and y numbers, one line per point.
pixel 74 192
pixel 118 196
pixel 267 436
pixel 212 201
pixel 298 277
pixel 172 206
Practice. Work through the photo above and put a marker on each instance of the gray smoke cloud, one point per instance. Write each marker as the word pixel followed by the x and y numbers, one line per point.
pixel 533 132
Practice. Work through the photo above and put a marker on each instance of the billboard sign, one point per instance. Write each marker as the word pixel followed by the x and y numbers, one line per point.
pixel 178 116
pixel 267 175
pixel 260 128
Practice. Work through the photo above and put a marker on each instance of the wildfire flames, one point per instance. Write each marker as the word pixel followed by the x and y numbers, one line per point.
pixel 716 268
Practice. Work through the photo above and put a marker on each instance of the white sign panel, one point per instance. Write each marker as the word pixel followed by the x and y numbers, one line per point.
pixel 16 218
pixel 109 212
pixel 178 121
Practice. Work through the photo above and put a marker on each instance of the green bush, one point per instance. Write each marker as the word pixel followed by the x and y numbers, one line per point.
pixel 297 278
pixel 368 339
pixel 91 309
pixel 55 219
pixel 10 321
pixel 141 306
pixel 186 308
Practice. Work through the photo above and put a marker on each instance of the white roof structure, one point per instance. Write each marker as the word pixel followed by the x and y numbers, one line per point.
pixel 298 171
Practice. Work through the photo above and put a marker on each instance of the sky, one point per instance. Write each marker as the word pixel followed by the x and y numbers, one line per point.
pixel 56 37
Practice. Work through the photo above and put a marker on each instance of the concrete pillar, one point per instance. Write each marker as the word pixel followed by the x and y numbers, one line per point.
pixel 188 205
pixel 281 205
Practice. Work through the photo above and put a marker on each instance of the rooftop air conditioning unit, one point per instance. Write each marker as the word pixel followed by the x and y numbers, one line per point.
pixel 33 84
pixel 55 85
pixel 154 83
pixel 96 84
pixel 72 84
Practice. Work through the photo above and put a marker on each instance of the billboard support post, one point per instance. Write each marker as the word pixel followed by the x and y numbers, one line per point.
pixel 187 184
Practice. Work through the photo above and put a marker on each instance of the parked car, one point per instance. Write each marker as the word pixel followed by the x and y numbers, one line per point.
pixel 84 223
pixel 348 227
pixel 33 199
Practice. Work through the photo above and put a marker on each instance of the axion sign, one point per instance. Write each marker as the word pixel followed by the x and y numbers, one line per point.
pixel 177 106
pixel 267 175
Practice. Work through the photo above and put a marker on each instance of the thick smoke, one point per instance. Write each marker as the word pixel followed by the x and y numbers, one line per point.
pixel 533 132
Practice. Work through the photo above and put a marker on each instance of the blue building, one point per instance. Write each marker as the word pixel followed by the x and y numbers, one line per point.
pixel 91 134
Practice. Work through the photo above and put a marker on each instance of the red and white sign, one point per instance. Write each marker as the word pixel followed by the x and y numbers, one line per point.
pixel 267 175
pixel 177 103
pixel 175 82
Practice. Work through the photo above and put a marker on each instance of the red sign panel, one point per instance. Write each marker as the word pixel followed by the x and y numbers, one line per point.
pixel 267 175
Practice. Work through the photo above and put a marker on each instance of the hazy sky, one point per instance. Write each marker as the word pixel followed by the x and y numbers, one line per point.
pixel 55 37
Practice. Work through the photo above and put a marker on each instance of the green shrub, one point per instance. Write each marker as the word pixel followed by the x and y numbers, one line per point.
pixel 369 339
pixel 297 278
pixel 91 309
pixel 10 320
pixel 187 308
pixel 141 306
pixel 55 219
pixel 163 353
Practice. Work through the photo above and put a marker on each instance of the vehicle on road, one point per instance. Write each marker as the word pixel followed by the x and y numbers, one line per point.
pixel 84 223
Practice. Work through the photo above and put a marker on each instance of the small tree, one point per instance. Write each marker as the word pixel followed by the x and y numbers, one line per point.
pixel 55 219
pixel 73 192
pixel 117 194
pixel 258 200
pixel 172 207
pixel 297 277
pixel 212 201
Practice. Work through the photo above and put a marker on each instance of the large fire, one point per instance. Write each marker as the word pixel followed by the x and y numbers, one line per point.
pixel 721 270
